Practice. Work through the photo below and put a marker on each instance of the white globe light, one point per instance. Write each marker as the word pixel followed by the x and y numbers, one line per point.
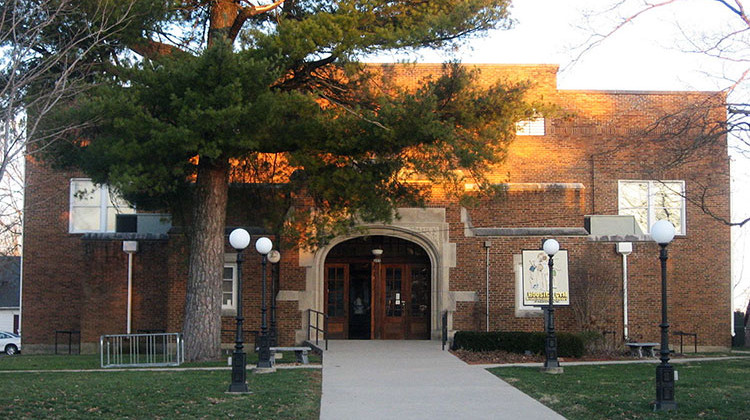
pixel 551 247
pixel 239 239
pixel 274 256
pixel 263 245
pixel 662 232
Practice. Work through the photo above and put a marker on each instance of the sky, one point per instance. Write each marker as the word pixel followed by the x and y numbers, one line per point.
pixel 649 53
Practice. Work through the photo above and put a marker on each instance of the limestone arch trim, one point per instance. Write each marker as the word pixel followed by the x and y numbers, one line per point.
pixel 433 237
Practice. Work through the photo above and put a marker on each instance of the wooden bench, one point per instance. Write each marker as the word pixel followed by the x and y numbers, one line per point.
pixel 299 352
pixel 637 349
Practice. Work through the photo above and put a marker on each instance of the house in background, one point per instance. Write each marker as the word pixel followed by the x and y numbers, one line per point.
pixel 595 178
pixel 10 294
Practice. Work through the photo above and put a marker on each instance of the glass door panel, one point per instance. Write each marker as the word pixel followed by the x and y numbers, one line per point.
pixel 337 299
pixel 394 294
pixel 419 307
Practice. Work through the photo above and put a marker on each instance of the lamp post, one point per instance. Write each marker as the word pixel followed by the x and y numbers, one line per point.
pixel 662 233
pixel 274 257
pixel 239 239
pixel 263 246
pixel 551 365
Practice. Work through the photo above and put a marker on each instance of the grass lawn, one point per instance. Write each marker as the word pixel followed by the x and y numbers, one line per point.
pixel 144 394
pixel 707 390
pixel 92 361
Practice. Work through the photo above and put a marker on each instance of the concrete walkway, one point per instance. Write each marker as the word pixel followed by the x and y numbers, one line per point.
pixel 375 379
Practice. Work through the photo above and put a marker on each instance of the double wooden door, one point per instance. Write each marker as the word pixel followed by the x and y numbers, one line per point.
pixel 397 304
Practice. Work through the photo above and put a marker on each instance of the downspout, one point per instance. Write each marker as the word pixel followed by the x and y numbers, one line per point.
pixel 130 247
pixel 130 289
pixel 732 331
pixel 593 185
pixel 731 307
pixel 487 245
pixel 624 248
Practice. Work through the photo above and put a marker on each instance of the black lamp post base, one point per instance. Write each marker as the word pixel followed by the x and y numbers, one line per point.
pixel 552 367
pixel 551 364
pixel 261 370
pixel 264 364
pixel 665 388
pixel 665 406
pixel 264 352
pixel 239 374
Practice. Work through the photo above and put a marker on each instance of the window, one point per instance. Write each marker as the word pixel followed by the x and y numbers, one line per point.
pixel 336 287
pixel 229 287
pixel 93 208
pixel 649 201
pixel 530 127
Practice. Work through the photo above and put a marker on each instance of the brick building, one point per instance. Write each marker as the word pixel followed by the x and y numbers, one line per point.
pixel 594 177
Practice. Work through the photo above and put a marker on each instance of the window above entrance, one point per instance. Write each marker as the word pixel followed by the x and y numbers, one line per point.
pixel 392 247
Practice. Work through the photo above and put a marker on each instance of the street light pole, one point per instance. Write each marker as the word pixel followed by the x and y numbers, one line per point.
pixel 263 246
pixel 274 257
pixel 239 239
pixel 551 365
pixel 663 232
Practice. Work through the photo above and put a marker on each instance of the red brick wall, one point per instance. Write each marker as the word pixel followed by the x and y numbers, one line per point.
pixel 608 140
pixel 70 283
pixel 52 260
pixel 105 288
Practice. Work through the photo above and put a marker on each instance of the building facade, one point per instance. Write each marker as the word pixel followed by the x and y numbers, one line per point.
pixel 594 176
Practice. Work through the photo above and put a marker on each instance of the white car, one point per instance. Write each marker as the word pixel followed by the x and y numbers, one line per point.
pixel 10 343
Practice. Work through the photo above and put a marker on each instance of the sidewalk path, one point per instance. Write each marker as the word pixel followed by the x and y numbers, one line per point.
pixel 653 361
pixel 376 379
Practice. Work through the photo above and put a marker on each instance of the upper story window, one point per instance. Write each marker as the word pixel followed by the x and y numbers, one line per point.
pixel 229 287
pixel 93 208
pixel 530 127
pixel 649 201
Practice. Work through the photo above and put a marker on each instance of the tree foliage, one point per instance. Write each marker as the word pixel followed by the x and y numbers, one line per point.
pixel 195 93
pixel 699 127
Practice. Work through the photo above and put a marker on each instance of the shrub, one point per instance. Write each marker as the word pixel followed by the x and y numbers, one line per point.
pixel 568 345
pixel 593 341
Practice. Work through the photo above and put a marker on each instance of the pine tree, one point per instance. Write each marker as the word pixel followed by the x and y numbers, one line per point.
pixel 194 94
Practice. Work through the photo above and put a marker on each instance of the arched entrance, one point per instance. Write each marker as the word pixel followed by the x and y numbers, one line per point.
pixel 378 287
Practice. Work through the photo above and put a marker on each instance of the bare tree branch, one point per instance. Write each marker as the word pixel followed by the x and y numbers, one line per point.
pixel 690 134
pixel 248 12
pixel 33 81
pixel 596 39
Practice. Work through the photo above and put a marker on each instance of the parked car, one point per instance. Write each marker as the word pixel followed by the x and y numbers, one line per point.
pixel 10 343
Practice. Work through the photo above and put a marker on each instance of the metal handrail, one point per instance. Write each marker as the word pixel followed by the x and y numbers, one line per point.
pixel 695 339
pixel 70 334
pixel 316 327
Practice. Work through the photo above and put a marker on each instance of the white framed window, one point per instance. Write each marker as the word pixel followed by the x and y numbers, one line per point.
pixel 530 127
pixel 650 201
pixel 93 208
pixel 229 286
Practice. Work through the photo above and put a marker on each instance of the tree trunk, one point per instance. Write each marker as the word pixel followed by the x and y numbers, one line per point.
pixel 202 329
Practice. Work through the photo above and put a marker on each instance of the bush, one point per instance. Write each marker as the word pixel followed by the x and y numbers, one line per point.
pixel 568 345
pixel 593 341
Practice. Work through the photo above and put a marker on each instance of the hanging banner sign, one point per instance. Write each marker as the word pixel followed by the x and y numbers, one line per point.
pixel 536 278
